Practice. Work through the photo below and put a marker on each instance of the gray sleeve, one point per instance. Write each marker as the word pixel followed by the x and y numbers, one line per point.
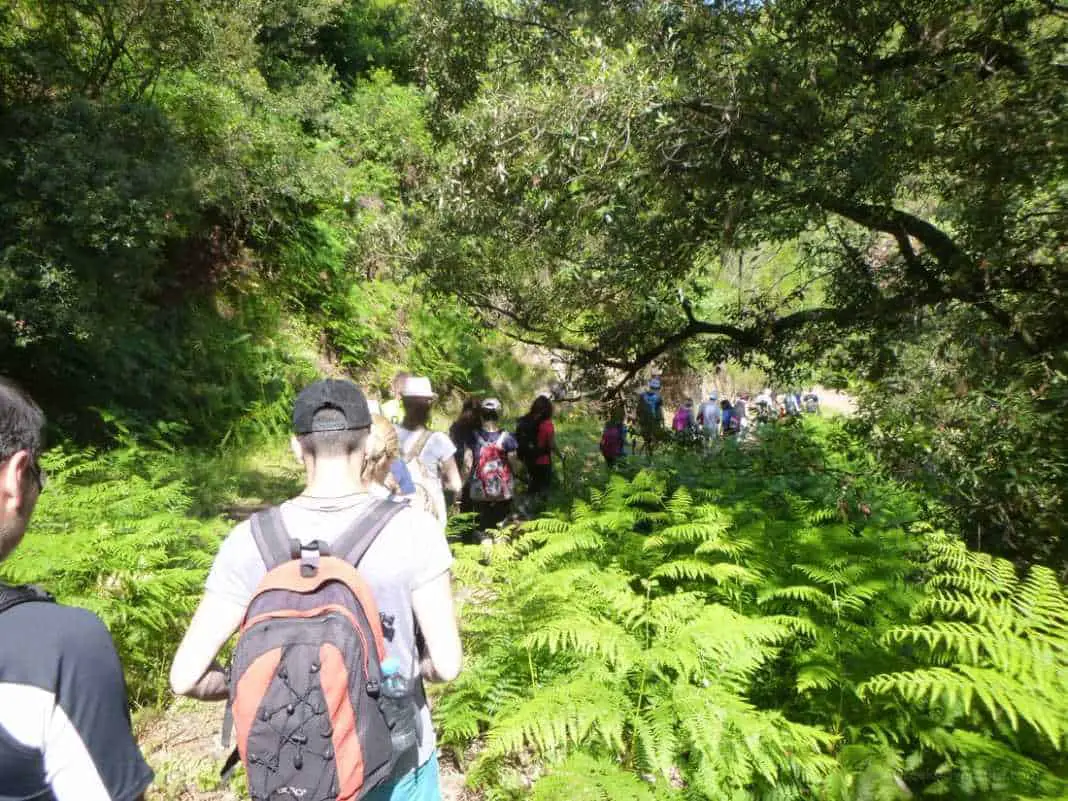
pixel 238 567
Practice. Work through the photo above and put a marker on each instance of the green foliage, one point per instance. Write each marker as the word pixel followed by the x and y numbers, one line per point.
pixel 880 181
pixel 945 412
pixel 112 534
pixel 742 626
pixel 188 191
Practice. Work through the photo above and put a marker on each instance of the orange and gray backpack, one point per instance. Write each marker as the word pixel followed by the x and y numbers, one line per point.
pixel 306 673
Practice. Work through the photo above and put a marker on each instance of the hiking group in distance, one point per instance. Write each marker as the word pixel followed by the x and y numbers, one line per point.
pixel 704 424
pixel 340 597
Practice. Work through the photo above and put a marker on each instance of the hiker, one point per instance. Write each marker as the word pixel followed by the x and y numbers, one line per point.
pixel 392 409
pixel 319 638
pixel 708 416
pixel 490 467
pixel 395 478
pixel 729 422
pixel 765 406
pixel 792 402
pixel 683 417
pixel 428 454
pixel 614 438
pixel 741 413
pixel 651 403
pixel 536 440
pixel 462 434
pixel 812 402
pixel 64 718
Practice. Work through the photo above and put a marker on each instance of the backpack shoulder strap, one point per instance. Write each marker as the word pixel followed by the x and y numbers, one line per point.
pixel 354 543
pixel 274 544
pixel 11 597
pixel 420 443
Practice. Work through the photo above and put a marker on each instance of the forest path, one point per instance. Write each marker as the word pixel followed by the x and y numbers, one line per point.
pixel 182 744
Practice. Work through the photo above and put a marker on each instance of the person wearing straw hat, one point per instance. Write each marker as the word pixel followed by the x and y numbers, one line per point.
pixel 428 454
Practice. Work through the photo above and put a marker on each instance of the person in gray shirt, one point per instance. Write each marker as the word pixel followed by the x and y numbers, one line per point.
pixel 408 568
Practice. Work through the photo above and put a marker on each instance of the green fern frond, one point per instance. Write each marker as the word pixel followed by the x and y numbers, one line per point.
pixel 999 695
pixel 697 531
pixel 1043 604
pixel 588 636
pixel 818 676
pixel 680 503
pixel 582 708
pixel 656 736
pixel 582 777
pixel 695 569
pixel 737 745
pixel 982 767
pixel 799 593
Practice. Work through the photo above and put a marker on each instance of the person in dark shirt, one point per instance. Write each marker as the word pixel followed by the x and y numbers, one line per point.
pixel 64 722
pixel 491 480
pixel 462 434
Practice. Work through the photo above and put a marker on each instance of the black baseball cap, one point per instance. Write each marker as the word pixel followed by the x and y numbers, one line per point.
pixel 330 393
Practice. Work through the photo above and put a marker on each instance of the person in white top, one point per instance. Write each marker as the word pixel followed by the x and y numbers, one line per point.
pixel 710 418
pixel 428 454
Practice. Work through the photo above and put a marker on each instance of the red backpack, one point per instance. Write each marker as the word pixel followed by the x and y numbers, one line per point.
pixel 492 479
pixel 306 671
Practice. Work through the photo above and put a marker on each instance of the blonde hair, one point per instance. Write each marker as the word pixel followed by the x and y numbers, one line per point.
pixel 382 449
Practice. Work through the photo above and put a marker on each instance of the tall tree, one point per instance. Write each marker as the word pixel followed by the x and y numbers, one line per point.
pixel 622 154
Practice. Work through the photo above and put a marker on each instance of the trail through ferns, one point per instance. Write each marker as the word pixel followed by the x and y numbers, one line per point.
pixel 776 621
pixel 770 623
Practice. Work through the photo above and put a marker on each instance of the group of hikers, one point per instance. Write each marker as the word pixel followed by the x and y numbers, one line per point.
pixel 340 597
pixel 708 421
pixel 478 463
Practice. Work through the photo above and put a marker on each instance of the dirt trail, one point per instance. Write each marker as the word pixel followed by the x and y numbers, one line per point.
pixel 182 745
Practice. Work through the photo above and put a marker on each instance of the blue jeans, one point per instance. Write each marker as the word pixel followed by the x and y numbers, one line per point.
pixel 421 784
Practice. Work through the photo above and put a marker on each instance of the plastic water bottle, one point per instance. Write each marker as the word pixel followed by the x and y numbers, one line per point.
pixel 398 705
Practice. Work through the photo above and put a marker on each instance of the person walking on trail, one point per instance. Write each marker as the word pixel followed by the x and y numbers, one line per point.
pixel 765 406
pixel 490 467
pixel 428 454
pixel 393 409
pixel 614 438
pixel 709 417
pixel 536 440
pixel 792 403
pixel 396 478
pixel 729 422
pixel 812 402
pixel 652 402
pixel 741 414
pixel 64 717
pixel 683 417
pixel 651 413
pixel 462 433
pixel 344 604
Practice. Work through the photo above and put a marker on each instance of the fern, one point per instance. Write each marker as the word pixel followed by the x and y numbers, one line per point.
pixel 739 637
pixel 115 538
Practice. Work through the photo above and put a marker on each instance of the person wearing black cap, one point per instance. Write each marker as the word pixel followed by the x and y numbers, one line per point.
pixel 408 567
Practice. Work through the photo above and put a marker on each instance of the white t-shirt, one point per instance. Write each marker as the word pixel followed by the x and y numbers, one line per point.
pixel 711 412
pixel 437 450
pixel 410 552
